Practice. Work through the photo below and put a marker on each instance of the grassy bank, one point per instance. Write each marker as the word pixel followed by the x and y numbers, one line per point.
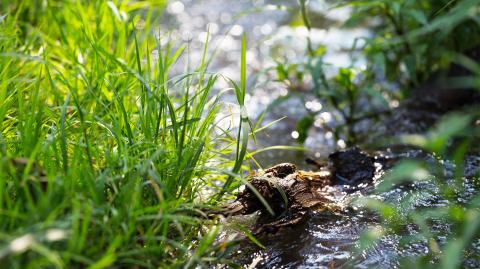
pixel 107 160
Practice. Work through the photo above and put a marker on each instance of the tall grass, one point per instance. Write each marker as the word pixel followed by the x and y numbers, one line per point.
pixel 107 160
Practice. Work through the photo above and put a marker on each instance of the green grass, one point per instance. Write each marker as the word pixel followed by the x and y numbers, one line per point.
pixel 107 159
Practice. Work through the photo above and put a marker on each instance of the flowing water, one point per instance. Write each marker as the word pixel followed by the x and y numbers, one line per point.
pixel 270 38
pixel 326 239
pixel 329 239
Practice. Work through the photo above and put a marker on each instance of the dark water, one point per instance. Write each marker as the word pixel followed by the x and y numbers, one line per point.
pixel 325 240
pixel 330 239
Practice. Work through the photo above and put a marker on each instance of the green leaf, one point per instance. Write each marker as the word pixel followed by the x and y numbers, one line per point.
pixel 411 64
pixel 419 16
pixel 303 125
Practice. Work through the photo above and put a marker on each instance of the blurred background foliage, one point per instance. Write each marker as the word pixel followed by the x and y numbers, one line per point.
pixel 126 152
pixel 413 45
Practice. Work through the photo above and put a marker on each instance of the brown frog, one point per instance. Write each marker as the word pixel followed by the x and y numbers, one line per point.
pixel 292 193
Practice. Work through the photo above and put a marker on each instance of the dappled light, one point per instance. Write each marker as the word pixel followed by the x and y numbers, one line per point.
pixel 240 134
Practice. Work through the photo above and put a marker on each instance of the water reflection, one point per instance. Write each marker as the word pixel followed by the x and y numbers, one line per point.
pixel 326 239
pixel 269 39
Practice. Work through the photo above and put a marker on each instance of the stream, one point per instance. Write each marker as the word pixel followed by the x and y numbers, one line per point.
pixel 269 38
pixel 327 239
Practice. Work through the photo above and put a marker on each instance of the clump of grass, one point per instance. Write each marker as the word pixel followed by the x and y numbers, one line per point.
pixel 105 155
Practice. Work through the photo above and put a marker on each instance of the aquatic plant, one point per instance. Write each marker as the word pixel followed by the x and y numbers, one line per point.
pixel 412 44
pixel 440 211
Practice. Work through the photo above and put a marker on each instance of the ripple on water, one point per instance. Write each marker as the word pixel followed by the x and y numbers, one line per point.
pixel 326 240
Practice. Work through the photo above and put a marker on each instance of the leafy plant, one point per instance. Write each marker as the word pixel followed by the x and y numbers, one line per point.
pixel 411 41
pixel 450 225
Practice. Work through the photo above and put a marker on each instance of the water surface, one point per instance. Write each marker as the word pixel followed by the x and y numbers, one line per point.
pixel 326 240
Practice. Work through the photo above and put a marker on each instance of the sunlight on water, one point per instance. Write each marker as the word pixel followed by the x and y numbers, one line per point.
pixel 327 239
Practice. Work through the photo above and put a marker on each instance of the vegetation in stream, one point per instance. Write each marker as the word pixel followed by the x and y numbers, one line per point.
pixel 440 212
pixel 112 153
pixel 414 44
